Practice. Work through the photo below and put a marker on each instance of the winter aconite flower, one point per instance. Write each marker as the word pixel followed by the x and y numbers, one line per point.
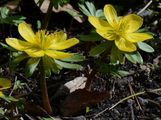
pixel 123 30
pixel 42 43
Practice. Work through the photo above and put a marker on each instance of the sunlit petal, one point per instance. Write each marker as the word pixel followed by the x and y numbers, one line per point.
pixel 18 44
pixel 111 15
pixel 57 37
pixel 109 35
pixel 34 52
pixel 125 45
pixel 65 44
pixel 138 37
pixel 131 23
pixel 26 32
pixel 57 54
pixel 99 23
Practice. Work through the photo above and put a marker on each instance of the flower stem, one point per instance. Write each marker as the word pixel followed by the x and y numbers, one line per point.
pixel 44 91
pixel 95 70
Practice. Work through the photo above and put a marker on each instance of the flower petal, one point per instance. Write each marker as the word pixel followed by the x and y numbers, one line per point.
pixel 125 45
pixel 109 35
pixel 98 23
pixel 111 15
pixel 131 23
pixel 41 37
pixel 65 44
pixel 34 52
pixel 26 32
pixel 18 44
pixel 138 37
pixel 57 37
pixel 57 54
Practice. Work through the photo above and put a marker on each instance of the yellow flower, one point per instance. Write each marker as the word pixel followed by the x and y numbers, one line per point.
pixel 42 43
pixel 123 30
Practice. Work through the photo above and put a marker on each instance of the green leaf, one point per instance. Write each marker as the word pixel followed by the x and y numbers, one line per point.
pixel 123 73
pixel 31 65
pixel 134 57
pixel 40 2
pixel 51 118
pixel 15 20
pixel 15 62
pixel 4 12
pixel 88 109
pixel 18 85
pixel 56 3
pixel 99 49
pixel 74 58
pixel 107 69
pixel 6 18
pixel 93 36
pixel 2 112
pixel 39 24
pixel 68 65
pixel 91 8
pixel 145 47
pixel 100 14
pixel 9 98
pixel 84 10
pixel 116 55
pixel 6 46
pixel 50 65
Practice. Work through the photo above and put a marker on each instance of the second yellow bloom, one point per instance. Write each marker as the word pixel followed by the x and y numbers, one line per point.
pixel 123 30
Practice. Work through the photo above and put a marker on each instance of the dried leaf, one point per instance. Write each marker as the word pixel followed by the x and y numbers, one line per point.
pixel 12 5
pixel 65 8
pixel 80 99
pixel 34 109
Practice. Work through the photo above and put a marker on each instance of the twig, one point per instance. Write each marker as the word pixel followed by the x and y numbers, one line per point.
pixel 13 86
pixel 144 8
pixel 126 98
pixel 29 117
pixel 132 92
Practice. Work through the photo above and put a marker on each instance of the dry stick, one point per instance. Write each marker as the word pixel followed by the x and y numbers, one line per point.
pixel 132 92
pixel 126 98
pixel 144 8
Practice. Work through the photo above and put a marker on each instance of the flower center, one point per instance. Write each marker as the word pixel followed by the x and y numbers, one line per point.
pixel 119 32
